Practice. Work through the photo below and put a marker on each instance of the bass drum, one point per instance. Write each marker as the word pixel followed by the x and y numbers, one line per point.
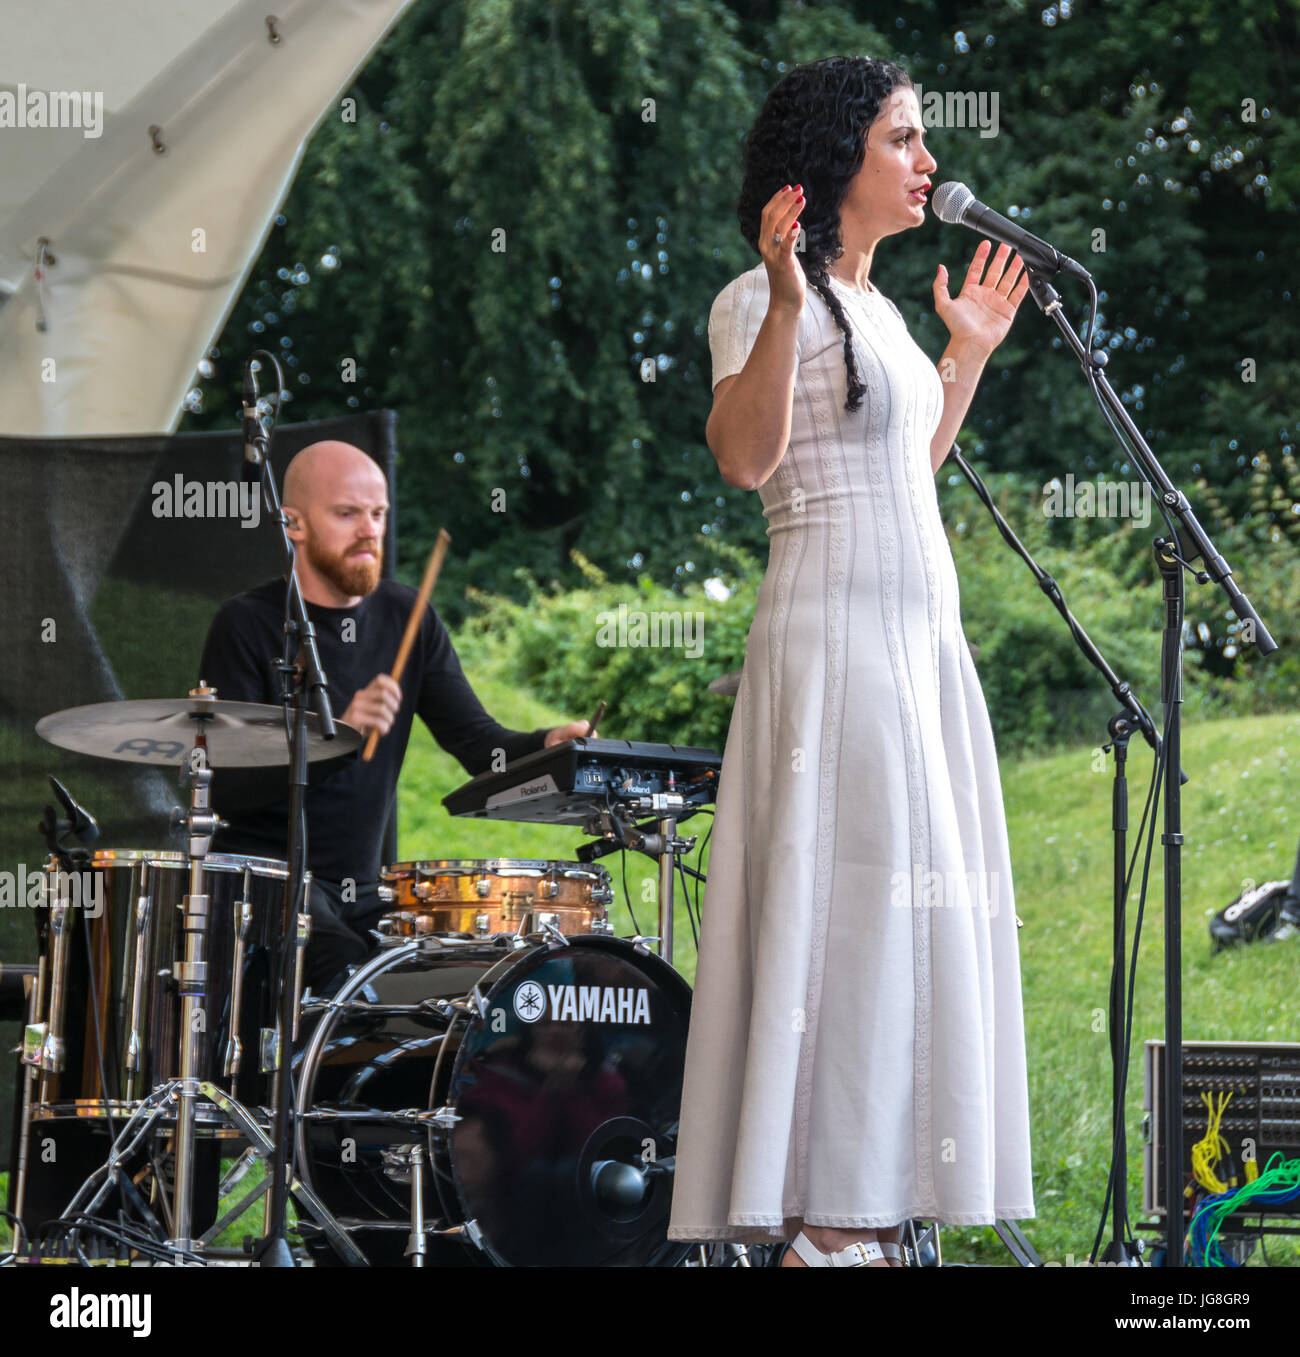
pixel 544 1076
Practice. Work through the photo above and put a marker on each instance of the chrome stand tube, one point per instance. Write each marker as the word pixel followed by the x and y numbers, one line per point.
pixel 192 973
pixel 416 1248
pixel 667 866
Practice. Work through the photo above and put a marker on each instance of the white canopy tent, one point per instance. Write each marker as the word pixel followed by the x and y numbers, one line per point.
pixel 146 249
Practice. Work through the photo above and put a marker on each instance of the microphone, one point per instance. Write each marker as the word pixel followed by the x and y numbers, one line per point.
pixel 954 203
pixel 82 825
pixel 254 433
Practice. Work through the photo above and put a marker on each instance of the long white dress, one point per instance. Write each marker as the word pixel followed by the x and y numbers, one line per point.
pixel 856 1053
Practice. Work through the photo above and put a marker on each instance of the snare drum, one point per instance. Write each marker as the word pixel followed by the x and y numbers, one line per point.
pixel 115 933
pixel 502 895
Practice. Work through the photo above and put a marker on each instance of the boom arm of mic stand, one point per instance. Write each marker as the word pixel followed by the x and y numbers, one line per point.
pixel 1121 691
pixel 1193 539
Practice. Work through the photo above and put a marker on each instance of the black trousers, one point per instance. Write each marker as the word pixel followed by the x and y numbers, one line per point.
pixel 340 932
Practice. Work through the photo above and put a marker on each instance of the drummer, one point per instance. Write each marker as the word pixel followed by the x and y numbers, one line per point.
pixel 336 500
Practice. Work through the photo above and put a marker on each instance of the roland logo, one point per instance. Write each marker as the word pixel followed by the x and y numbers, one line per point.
pixel 537 788
pixel 100 1310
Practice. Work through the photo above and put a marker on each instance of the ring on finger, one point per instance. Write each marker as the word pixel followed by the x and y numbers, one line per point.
pixel 776 237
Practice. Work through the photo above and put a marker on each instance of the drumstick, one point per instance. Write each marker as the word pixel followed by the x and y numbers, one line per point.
pixel 413 623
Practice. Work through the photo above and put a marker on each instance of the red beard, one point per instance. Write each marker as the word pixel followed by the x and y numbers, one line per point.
pixel 349 574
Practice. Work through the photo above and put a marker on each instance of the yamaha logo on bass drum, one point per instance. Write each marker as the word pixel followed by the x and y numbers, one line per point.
pixel 583 1003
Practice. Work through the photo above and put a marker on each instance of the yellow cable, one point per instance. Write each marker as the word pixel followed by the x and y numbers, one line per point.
pixel 1212 1147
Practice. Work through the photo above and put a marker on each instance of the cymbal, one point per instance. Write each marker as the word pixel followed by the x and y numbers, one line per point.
pixel 162 730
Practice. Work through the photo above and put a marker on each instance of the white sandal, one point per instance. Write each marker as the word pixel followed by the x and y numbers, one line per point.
pixel 856 1255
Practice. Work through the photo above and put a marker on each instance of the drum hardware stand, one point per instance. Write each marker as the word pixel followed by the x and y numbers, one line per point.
pixel 201 822
pixel 418 1243
pixel 614 829
pixel 131 1137
pixel 111 1174
pixel 405 1164
pixel 264 1149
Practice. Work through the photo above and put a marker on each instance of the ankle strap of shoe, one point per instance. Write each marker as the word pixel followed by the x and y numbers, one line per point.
pixel 856 1255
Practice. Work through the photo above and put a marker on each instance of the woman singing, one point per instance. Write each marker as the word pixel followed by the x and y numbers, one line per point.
pixel 856 1054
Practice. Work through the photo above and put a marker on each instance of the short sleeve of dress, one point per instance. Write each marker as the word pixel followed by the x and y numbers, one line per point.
pixel 735 320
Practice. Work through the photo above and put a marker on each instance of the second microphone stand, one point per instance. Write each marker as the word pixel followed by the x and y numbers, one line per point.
pixel 302 683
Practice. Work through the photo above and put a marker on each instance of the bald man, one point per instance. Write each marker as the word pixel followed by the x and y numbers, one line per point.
pixel 336 500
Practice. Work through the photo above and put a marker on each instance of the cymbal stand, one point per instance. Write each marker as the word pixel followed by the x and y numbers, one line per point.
pixel 201 822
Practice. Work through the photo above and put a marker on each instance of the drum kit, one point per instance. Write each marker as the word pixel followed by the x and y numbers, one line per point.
pixel 497 1084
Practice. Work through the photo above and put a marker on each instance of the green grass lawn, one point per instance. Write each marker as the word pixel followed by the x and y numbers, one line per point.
pixel 1240 823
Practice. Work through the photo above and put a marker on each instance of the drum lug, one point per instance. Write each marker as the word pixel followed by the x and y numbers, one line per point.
pixel 444 1117
pixel 301 940
pixel 269 1049
pixel 242 922
pixel 52 1048
pixel 33 1043
pixel 547 926
pixel 639 942
pixel 474 1004
pixel 134 1043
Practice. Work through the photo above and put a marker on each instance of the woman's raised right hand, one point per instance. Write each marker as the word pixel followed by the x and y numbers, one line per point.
pixel 785 277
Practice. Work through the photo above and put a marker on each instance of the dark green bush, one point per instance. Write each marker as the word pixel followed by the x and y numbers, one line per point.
pixel 1040 690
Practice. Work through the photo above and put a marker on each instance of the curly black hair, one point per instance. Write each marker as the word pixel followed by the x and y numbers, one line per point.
pixel 812 130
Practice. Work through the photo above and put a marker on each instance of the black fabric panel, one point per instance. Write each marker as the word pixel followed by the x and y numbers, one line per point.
pixel 128 597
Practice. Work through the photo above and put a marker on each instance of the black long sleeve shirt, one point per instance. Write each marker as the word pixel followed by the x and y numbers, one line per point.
pixel 347 811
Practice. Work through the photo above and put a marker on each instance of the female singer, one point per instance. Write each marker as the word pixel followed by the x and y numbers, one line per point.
pixel 856 1054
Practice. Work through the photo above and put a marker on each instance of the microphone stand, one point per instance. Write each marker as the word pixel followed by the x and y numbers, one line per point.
pixel 1189 540
pixel 302 682
pixel 1132 717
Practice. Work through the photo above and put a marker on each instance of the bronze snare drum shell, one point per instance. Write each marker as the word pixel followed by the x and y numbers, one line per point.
pixel 482 898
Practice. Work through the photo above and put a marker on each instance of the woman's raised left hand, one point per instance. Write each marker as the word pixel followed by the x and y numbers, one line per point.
pixel 982 312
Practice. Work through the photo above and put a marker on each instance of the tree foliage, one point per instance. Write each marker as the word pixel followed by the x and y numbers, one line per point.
pixel 534 207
